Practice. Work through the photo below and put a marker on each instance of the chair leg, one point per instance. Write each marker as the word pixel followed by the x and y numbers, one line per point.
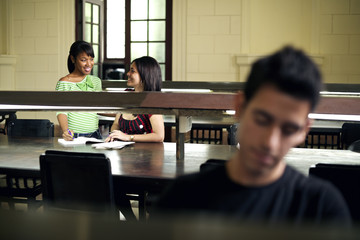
pixel 142 207
pixel 124 205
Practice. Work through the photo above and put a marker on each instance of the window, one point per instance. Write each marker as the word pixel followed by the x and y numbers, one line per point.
pixel 91 30
pixel 115 25
pixel 133 28
pixel 148 30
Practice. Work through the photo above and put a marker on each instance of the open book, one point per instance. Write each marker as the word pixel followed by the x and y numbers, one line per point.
pixel 96 143
pixel 79 141
pixel 111 145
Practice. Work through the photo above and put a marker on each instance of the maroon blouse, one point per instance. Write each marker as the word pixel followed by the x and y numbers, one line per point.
pixel 140 125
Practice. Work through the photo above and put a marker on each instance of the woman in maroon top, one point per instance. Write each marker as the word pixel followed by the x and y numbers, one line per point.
pixel 144 75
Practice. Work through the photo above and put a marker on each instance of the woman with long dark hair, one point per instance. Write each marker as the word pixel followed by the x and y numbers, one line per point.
pixel 144 75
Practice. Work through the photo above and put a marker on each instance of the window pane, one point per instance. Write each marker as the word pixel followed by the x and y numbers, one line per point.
pixel 157 31
pixel 87 12
pixel 139 9
pixel 96 14
pixel 115 36
pixel 96 52
pixel 157 9
pixel 138 50
pixel 96 34
pixel 157 51
pixel 139 31
pixel 162 67
pixel 115 49
pixel 88 32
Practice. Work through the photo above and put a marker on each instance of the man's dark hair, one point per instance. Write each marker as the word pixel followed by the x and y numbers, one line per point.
pixel 77 48
pixel 290 71
pixel 150 73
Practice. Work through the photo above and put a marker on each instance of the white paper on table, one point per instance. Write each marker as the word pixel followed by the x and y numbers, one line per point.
pixel 111 145
pixel 79 141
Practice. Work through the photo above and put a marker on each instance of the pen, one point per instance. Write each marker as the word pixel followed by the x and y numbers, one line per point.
pixel 70 133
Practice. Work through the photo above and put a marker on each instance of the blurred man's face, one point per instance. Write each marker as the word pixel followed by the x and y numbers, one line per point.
pixel 270 124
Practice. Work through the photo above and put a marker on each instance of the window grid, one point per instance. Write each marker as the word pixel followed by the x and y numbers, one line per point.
pixel 123 62
pixel 148 42
pixel 96 46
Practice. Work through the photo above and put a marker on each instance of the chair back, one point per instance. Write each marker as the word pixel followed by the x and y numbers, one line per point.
pixel 346 178
pixel 350 132
pixel 355 146
pixel 211 163
pixel 7 116
pixel 30 128
pixel 77 181
pixel 18 186
pixel 206 134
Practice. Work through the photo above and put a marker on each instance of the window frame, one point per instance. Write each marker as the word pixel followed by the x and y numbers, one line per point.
pixel 125 62
pixel 80 25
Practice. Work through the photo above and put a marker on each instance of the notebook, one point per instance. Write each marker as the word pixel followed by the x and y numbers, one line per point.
pixel 79 141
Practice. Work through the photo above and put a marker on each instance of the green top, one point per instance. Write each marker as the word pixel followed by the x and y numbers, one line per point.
pixel 81 122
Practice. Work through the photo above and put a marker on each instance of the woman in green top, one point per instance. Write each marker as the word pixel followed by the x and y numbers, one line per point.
pixel 80 63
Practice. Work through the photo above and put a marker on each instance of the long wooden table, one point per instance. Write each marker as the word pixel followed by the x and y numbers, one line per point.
pixel 149 167
pixel 137 169
pixel 154 162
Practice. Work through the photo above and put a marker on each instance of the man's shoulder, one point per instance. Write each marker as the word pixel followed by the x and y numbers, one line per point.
pixel 199 182
pixel 293 176
pixel 191 191
pixel 309 185
pixel 292 173
pixel 215 173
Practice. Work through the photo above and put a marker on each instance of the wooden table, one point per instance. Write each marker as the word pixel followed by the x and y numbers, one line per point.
pixel 154 163
pixel 139 167
pixel 149 167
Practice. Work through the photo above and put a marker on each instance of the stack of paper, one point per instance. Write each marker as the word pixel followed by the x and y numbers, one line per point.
pixel 111 145
pixel 79 141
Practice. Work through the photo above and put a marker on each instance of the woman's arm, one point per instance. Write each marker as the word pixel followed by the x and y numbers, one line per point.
pixel 63 121
pixel 115 129
pixel 115 125
pixel 158 134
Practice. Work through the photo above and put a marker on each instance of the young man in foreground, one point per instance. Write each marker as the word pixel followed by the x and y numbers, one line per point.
pixel 256 184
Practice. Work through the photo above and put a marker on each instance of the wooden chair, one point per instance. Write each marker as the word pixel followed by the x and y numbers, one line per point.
pixel 355 146
pixel 74 181
pixel 323 138
pixel 350 132
pixel 20 187
pixel 30 128
pixel 206 134
pixel 346 178
pixel 7 116
pixel 211 163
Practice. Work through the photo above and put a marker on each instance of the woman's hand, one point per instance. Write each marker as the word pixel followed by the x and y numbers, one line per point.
pixel 67 136
pixel 117 134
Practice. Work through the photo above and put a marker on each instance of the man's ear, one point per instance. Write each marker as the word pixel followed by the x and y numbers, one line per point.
pixel 306 129
pixel 308 124
pixel 239 103
pixel 301 136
